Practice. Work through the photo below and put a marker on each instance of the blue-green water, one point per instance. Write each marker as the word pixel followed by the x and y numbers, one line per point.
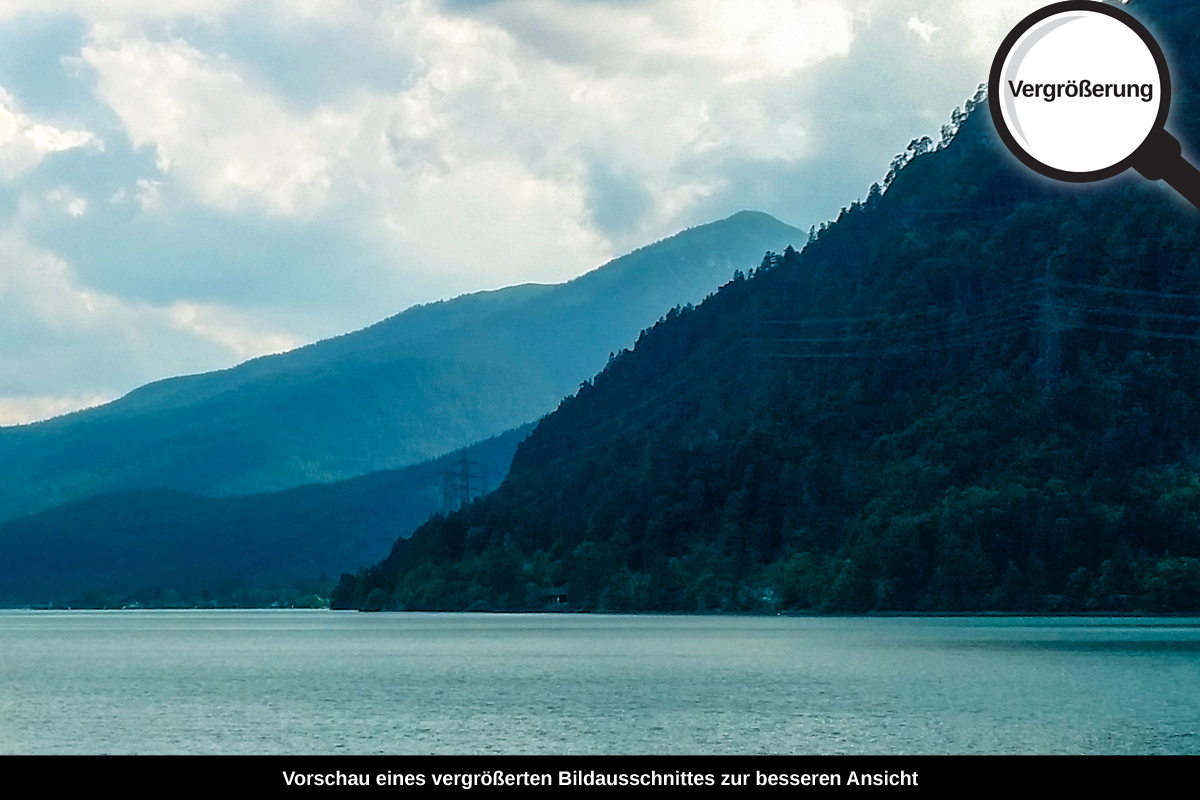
pixel 322 682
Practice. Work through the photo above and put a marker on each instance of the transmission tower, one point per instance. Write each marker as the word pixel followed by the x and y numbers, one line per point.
pixel 467 482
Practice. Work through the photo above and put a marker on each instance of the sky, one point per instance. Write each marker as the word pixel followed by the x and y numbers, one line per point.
pixel 186 184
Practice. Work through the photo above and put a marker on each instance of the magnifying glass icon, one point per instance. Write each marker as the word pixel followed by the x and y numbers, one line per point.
pixel 1080 91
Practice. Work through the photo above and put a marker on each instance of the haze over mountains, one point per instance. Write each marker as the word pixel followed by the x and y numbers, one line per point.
pixel 418 385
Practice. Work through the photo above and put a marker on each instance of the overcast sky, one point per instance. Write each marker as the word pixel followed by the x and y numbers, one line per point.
pixel 185 184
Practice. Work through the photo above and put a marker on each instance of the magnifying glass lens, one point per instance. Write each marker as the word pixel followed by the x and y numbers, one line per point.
pixel 1079 90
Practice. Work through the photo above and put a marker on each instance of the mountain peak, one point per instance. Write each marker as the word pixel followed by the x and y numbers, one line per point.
pixel 427 381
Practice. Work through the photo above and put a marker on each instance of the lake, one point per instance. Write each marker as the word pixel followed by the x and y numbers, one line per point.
pixel 300 682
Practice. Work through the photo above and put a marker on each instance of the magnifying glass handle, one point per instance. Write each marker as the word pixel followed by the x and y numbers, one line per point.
pixel 1161 158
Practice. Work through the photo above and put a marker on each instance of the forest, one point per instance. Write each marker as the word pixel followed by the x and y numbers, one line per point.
pixel 976 390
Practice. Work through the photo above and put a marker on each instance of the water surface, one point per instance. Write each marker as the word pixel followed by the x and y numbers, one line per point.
pixel 325 682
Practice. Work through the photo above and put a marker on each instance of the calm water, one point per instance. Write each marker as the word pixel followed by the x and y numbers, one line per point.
pixel 322 682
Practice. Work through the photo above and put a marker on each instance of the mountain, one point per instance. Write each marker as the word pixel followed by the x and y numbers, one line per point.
pixel 427 381
pixel 163 547
pixel 977 390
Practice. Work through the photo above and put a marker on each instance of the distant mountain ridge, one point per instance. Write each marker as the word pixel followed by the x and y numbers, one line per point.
pixel 164 547
pixel 430 380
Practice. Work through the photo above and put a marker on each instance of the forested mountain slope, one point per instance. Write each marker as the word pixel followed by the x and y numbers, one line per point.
pixel 978 390
pixel 166 548
pixel 425 382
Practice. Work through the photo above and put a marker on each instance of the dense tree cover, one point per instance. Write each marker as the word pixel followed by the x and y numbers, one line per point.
pixel 165 548
pixel 976 390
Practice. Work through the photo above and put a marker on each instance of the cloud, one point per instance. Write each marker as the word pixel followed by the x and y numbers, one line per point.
pixel 22 410
pixel 923 29
pixel 671 96
pixel 54 326
pixel 750 38
pixel 986 22
pixel 670 89
pixel 24 143
pixel 70 203
pixel 228 328
pixel 206 180
pixel 115 9
pixel 658 93
pixel 149 194
pixel 229 142
pixel 467 217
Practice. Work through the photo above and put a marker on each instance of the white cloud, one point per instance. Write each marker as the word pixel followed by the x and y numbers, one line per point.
pixel 53 325
pixel 738 38
pixel 672 88
pixel 231 143
pixel 225 327
pixel 40 290
pixel 668 95
pixel 73 204
pixel 114 9
pixel 483 217
pixel 22 410
pixel 658 89
pixel 923 29
pixel 509 141
pixel 778 38
pixel 24 143
pixel 149 194
pixel 987 22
